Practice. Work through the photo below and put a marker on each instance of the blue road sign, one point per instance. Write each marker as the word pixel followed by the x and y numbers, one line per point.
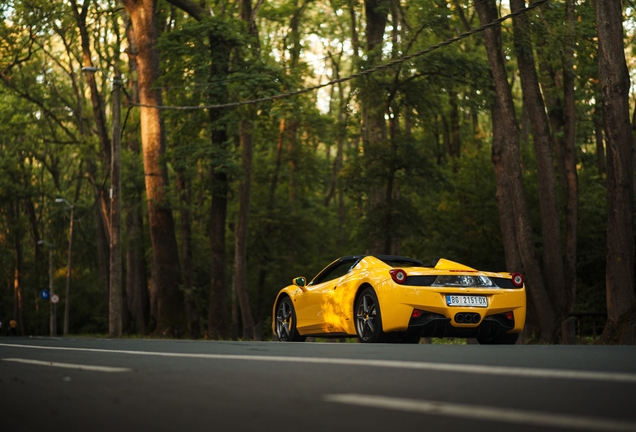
pixel 44 294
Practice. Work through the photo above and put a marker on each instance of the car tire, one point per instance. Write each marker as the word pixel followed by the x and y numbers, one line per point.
pixel 368 317
pixel 502 339
pixel 286 322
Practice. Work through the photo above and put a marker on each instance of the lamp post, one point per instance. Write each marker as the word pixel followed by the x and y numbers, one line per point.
pixel 52 306
pixel 68 266
pixel 115 289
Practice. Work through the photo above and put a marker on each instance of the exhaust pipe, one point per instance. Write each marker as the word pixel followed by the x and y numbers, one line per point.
pixel 467 318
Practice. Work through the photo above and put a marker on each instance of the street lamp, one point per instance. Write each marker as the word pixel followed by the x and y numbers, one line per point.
pixel 68 266
pixel 115 289
pixel 52 306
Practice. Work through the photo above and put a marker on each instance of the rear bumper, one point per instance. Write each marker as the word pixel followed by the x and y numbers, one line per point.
pixel 398 302
pixel 436 325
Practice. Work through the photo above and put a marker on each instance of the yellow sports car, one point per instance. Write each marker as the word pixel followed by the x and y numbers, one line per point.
pixel 382 298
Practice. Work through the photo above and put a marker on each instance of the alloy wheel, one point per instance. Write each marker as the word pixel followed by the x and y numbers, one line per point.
pixel 284 320
pixel 366 316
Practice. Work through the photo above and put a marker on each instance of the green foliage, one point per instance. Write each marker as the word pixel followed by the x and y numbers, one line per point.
pixel 307 207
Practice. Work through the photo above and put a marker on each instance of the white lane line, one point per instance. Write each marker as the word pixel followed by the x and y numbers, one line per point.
pixel 69 365
pixel 475 412
pixel 441 367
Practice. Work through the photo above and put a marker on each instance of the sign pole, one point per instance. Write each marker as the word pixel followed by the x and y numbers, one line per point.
pixel 52 309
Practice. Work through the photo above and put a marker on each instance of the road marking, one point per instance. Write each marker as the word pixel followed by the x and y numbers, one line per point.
pixel 535 418
pixel 69 365
pixel 440 367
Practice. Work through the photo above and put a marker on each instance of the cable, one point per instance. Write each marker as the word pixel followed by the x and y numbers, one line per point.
pixel 358 74
pixel 302 64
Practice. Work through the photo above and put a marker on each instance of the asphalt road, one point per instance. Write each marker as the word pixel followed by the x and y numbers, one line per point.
pixel 166 385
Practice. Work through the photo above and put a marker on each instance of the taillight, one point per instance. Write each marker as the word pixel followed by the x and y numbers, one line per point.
pixel 510 316
pixel 417 313
pixel 398 275
pixel 517 279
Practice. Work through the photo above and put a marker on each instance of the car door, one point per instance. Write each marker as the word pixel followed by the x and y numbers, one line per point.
pixel 316 308
pixel 344 295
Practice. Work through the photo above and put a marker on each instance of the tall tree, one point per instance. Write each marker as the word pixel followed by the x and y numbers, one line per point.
pixel 136 274
pixel 166 272
pixel 246 139
pixel 515 224
pixel 102 222
pixel 614 81
pixel 533 102
pixel 373 111
pixel 569 155
pixel 220 48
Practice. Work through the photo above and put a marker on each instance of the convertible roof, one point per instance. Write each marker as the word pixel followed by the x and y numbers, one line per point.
pixel 400 260
pixel 391 259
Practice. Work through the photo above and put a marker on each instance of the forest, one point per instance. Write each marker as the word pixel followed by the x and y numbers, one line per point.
pixel 166 166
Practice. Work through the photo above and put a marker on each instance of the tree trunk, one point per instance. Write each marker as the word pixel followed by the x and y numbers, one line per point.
pixel 614 80
pixel 136 277
pixel 506 159
pixel 454 143
pixel 138 298
pixel 166 272
pixel 240 250
pixel 550 88
pixel 598 135
pixel 246 138
pixel 39 256
pixel 102 221
pixel 292 124
pixel 186 254
pixel 390 185
pixel 219 68
pixel 218 325
pixel 18 297
pixel 503 193
pixel 341 136
pixel 373 111
pixel 569 154
pixel 551 230
pixel 291 133
pixel 96 100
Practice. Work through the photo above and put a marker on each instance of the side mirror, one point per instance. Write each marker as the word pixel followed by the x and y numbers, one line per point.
pixel 300 282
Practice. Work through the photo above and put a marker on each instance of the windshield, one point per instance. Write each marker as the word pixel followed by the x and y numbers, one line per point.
pixel 335 270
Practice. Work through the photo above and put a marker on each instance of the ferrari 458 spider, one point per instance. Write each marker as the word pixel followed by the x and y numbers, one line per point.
pixel 381 298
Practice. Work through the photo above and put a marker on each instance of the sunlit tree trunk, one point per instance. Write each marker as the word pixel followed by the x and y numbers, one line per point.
pixel 138 298
pixel 166 272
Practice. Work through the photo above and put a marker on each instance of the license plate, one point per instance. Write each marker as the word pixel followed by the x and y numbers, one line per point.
pixel 466 300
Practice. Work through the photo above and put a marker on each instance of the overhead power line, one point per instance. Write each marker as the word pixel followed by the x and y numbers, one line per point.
pixel 357 74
